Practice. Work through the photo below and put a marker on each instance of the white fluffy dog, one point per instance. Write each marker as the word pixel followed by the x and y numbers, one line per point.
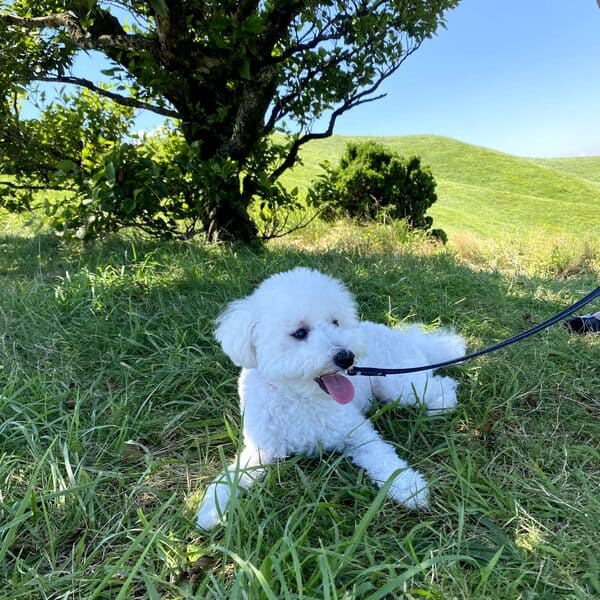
pixel 294 336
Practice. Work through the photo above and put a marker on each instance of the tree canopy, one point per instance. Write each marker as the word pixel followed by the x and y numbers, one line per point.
pixel 229 73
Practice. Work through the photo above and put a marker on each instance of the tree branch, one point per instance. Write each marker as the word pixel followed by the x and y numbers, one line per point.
pixel 105 34
pixel 331 29
pixel 349 103
pixel 118 98
pixel 25 186
pixel 64 19
pixel 279 108
pixel 320 37
pixel 277 22
pixel 292 156
pixel 280 231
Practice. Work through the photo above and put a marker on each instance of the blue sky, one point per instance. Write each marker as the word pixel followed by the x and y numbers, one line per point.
pixel 519 76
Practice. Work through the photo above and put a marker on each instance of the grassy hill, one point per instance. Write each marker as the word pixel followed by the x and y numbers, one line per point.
pixel 585 167
pixel 489 193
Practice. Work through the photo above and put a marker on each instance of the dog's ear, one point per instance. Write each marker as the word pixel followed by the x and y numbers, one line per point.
pixel 235 331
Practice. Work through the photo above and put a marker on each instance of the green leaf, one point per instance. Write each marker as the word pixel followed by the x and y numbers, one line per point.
pixel 245 69
pixel 159 7
pixel 253 25
pixel 66 166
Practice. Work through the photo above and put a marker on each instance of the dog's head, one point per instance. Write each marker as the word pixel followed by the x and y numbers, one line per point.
pixel 298 329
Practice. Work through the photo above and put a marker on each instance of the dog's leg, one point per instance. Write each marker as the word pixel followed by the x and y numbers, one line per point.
pixel 439 394
pixel 243 472
pixel 379 459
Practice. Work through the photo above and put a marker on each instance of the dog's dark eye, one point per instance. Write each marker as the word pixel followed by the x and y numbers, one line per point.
pixel 300 334
pixel 336 322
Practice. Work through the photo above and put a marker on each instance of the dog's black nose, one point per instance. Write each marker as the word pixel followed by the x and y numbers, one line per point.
pixel 343 359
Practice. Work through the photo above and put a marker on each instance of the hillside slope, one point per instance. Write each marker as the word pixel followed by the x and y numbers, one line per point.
pixel 487 192
pixel 585 167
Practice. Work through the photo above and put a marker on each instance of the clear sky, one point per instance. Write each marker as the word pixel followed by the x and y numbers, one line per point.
pixel 520 76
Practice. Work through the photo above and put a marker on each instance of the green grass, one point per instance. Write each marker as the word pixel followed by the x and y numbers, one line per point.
pixel 488 193
pixel 117 407
pixel 585 167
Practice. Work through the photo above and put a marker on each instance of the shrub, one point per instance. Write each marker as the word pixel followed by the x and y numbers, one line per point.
pixel 126 187
pixel 102 179
pixel 374 183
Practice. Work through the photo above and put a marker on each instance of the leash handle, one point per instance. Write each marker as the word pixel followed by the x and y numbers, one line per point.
pixel 381 372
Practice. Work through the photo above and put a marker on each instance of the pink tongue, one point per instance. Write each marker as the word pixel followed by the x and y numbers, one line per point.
pixel 340 388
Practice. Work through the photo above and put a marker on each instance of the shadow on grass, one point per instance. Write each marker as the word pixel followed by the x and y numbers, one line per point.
pixel 388 287
pixel 24 257
pixel 151 305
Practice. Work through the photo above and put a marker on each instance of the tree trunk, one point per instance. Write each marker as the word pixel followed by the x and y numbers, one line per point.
pixel 233 138
pixel 228 218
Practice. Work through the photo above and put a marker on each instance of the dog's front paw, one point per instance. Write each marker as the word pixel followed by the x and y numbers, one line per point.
pixel 211 511
pixel 440 397
pixel 440 404
pixel 208 516
pixel 410 488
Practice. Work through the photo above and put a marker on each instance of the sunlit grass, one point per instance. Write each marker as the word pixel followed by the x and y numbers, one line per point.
pixel 488 193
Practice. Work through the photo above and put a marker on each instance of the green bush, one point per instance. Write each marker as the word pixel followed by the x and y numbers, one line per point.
pixel 374 183
pixel 156 186
pixel 102 179
pixel 162 187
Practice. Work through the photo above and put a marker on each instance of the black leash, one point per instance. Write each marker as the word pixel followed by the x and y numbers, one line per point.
pixel 377 372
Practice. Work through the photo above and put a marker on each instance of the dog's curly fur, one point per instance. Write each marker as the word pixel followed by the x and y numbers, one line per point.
pixel 294 336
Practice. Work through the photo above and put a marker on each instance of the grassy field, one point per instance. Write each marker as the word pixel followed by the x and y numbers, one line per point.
pixel 585 167
pixel 117 407
pixel 489 194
